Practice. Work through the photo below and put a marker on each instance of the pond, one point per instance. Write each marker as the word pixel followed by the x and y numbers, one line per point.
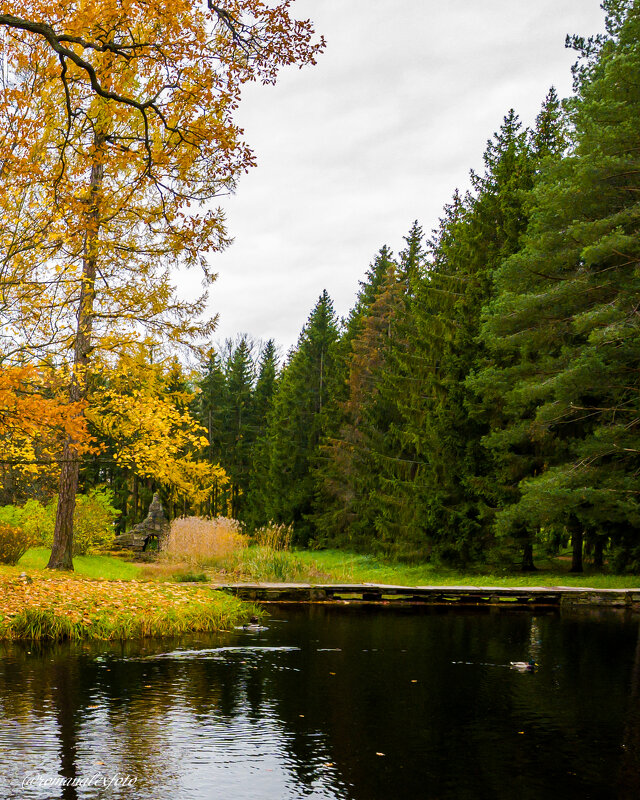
pixel 332 702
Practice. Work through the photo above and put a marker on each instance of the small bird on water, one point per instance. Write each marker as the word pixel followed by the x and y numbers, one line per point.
pixel 253 625
pixel 523 666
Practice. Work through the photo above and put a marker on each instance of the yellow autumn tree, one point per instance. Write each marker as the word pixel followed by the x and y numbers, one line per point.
pixel 151 431
pixel 118 138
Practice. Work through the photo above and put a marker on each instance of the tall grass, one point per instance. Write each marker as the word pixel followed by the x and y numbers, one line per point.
pixel 200 541
pixel 259 563
pixel 274 536
pixel 220 545
pixel 270 559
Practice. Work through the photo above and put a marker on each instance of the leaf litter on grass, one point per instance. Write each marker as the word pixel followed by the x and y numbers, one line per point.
pixel 61 607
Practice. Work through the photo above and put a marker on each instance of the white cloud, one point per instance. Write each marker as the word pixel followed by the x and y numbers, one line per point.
pixel 379 133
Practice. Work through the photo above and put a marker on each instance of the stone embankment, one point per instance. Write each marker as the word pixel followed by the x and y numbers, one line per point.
pixel 560 597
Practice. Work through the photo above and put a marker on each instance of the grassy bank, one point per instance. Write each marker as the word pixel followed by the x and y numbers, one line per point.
pixel 340 566
pixel 56 607
pixel 261 563
pixel 220 550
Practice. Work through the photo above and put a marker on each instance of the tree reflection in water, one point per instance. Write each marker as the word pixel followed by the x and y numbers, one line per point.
pixel 335 703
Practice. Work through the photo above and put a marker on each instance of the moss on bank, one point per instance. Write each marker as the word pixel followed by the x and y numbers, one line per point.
pixel 71 608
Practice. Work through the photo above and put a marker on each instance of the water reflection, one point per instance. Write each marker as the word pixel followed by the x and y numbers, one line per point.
pixel 334 703
pixel 630 768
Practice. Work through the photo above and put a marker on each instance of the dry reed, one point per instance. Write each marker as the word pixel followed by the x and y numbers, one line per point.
pixel 198 540
pixel 274 536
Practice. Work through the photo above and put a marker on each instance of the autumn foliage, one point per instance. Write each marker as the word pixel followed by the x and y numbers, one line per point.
pixel 35 418
pixel 14 543
pixel 117 137
pixel 97 609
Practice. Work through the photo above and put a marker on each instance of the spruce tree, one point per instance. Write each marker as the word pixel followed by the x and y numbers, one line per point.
pixel 351 483
pixel 452 491
pixel 210 409
pixel 296 422
pixel 256 501
pixel 566 316
pixel 512 456
pixel 238 422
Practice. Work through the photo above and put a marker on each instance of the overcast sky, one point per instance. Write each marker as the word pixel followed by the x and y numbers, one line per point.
pixel 379 133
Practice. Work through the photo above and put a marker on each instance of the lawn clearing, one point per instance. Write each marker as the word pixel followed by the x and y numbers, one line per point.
pixel 339 566
pixel 92 566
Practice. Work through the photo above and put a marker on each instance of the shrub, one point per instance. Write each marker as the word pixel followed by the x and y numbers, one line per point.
pixel 93 520
pixel 33 518
pixel 14 543
pixel 199 539
pixel 11 515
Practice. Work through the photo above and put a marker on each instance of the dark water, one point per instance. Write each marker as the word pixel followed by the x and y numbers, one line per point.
pixel 332 703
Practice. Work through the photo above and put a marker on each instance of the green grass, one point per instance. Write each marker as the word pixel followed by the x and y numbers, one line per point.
pixel 331 566
pixel 93 566
pixel 338 566
pixel 189 577
pixel 259 563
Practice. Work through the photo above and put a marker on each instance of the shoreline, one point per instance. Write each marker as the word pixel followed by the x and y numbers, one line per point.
pixel 560 597
pixel 58 607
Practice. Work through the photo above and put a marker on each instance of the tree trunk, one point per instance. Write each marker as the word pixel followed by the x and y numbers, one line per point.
pixel 575 529
pixel 527 558
pixel 65 702
pixel 598 553
pixel 62 550
pixel 134 501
